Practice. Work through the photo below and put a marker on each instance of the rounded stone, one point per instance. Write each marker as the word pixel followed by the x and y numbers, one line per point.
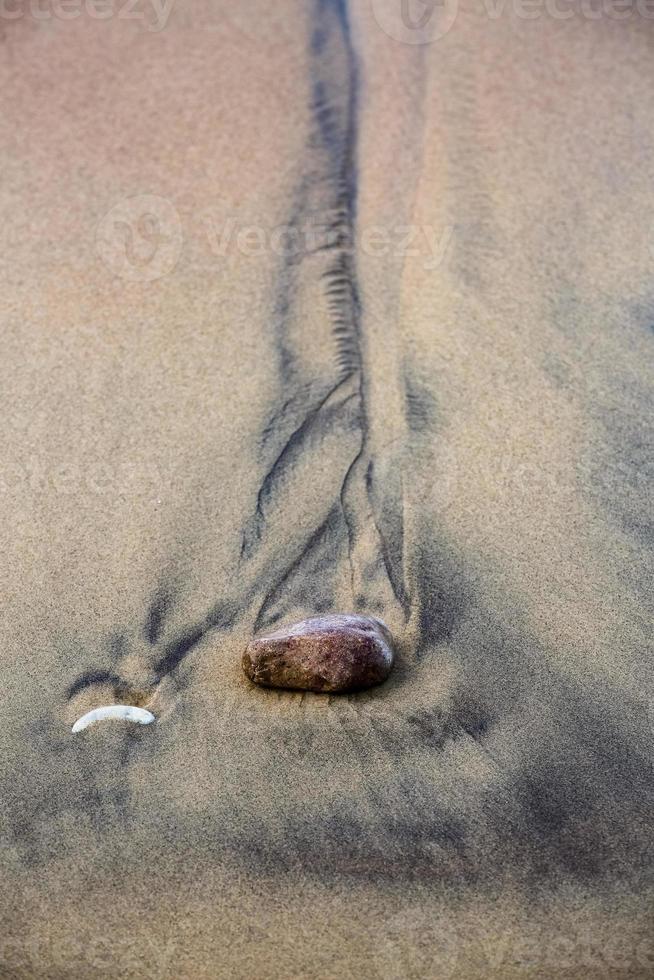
pixel 328 654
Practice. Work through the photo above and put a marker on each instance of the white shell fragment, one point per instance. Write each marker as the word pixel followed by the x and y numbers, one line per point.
pixel 122 712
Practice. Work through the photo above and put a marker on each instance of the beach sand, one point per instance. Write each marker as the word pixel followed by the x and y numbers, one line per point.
pixel 436 410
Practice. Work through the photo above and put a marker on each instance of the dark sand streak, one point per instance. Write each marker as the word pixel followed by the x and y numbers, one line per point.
pixel 328 195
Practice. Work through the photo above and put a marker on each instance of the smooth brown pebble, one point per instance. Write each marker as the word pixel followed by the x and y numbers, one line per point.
pixel 326 653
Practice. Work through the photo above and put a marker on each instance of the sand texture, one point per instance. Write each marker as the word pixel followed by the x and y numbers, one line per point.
pixel 301 317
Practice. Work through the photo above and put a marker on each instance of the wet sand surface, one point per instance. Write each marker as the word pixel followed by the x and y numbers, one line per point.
pixel 435 410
